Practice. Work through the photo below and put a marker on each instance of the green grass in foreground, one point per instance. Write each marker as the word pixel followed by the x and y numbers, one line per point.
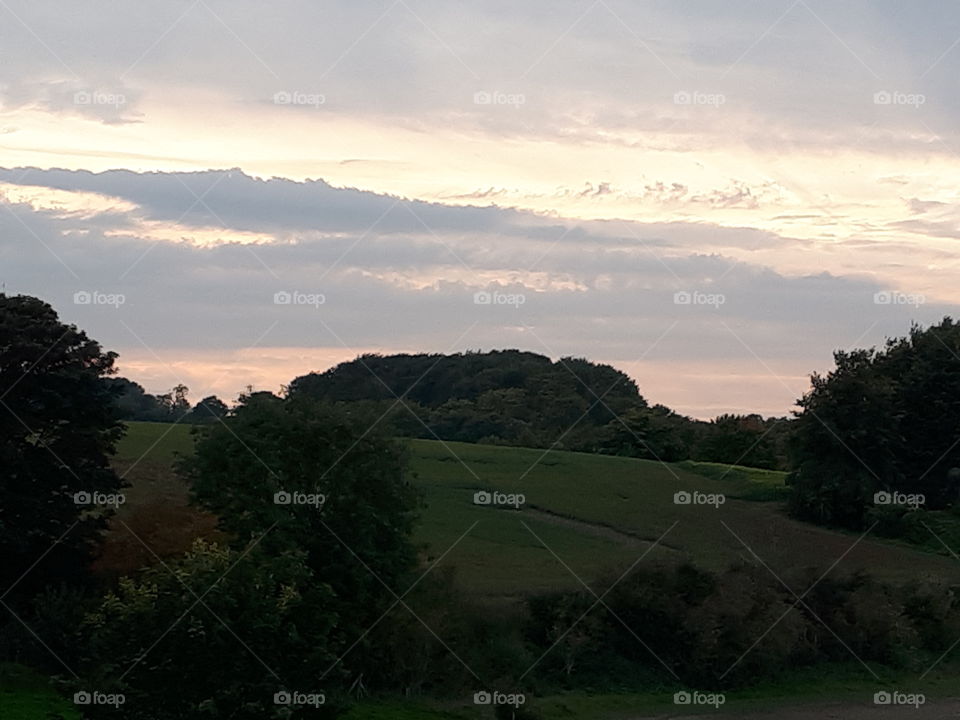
pixel 26 695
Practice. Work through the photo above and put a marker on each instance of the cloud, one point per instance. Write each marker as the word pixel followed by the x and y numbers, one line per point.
pixel 599 290
pixel 804 73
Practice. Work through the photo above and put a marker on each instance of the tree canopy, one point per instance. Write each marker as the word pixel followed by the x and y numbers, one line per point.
pixel 881 421
pixel 57 431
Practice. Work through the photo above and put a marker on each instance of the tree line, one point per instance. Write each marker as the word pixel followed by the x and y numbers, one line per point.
pixel 512 397
pixel 134 403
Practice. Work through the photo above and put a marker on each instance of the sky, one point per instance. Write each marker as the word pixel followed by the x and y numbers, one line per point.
pixel 712 197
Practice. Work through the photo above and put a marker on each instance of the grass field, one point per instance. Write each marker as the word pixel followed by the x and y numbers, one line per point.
pixel 585 516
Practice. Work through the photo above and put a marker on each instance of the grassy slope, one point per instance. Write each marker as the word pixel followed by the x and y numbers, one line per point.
pixel 597 514
pixel 633 500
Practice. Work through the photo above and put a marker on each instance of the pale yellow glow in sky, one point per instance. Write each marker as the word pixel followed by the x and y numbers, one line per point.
pixel 825 197
pixel 839 206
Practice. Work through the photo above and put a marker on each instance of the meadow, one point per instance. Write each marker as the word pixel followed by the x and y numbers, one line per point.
pixel 585 516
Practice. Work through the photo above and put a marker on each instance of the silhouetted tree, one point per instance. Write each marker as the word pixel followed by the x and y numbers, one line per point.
pixel 57 430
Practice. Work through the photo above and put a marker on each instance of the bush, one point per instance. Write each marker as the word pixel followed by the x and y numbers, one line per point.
pixel 731 629
pixel 260 626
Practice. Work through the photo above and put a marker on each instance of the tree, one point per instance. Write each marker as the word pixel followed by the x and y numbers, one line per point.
pixel 739 440
pixel 880 421
pixel 208 410
pixel 58 428
pixel 296 474
pixel 133 402
pixel 180 405
pixel 508 396
pixel 627 434
pixel 262 626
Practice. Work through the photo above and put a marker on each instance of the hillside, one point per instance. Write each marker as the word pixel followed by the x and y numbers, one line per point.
pixel 594 514
pixel 518 398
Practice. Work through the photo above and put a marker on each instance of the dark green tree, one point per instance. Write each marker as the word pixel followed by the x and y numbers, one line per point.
pixel 296 474
pixel 208 410
pixel 881 420
pixel 58 428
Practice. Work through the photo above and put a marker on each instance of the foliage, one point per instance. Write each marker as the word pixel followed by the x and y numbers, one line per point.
pixel 510 397
pixel 57 431
pixel 216 634
pixel 734 628
pixel 135 403
pixel 880 421
pixel 350 508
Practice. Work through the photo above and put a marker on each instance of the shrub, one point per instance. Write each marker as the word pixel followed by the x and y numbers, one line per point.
pixel 260 626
